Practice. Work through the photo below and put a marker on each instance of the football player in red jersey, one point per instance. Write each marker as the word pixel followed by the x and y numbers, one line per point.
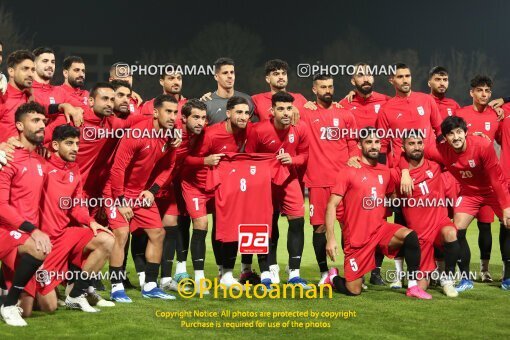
pixel 121 71
pixel 438 83
pixel 482 119
pixel 23 245
pixel 276 77
pixel 473 162
pixel 365 232
pixel 329 152
pixel 290 145
pixel 74 82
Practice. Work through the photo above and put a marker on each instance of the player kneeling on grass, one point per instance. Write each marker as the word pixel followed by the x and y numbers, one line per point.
pixel 78 243
pixel 365 230
pixel 431 223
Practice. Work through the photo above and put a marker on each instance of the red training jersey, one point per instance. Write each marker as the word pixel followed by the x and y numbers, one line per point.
pixel 485 122
pixel 446 106
pixel 9 103
pixel 365 110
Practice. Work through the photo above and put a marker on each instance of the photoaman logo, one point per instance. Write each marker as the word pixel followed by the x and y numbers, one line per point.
pixel 253 238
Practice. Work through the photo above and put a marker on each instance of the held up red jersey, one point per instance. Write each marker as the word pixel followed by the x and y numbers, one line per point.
pixel 360 189
pixel 485 122
pixel 214 140
pixel 262 104
pixel 365 110
pixel 429 188
pixel 238 180
pixel 329 151
pixel 21 187
pixel 446 106
pixel 63 187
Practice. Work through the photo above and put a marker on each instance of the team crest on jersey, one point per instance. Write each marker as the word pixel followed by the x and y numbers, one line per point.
pixel 381 181
pixel 253 169
pixel 39 169
pixel 429 173
pixel 377 107
pixel 291 138
pixel 472 163
pixel 15 234
pixel 131 108
pixel 421 111
pixel 487 126
pixel 71 177
pixel 52 100
pixel 449 110
pixel 336 122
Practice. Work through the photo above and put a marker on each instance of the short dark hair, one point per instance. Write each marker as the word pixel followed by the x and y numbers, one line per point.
pixel 366 132
pixel 235 100
pixel 481 80
pixel 442 71
pixel 64 131
pixel 23 109
pixel 411 133
pixel 18 57
pixel 68 61
pixel 173 65
pixel 321 76
pixel 192 104
pixel 159 100
pixel 275 65
pixel 452 122
pixel 399 66
pixel 120 83
pixel 41 50
pixel 221 62
pixel 100 85
pixel 281 97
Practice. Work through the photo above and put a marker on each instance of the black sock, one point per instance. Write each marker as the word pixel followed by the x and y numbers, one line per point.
pixel 247 259
pixel 399 217
pixel 379 257
pixel 439 254
pixel 263 264
pixel 412 254
pixel 319 246
pixel 151 272
pixel 80 285
pixel 2 280
pixel 26 268
pixel 504 245
pixel 339 284
pixel 126 252
pixel 183 223
pixel 116 275
pixel 464 254
pixel 229 254
pixel 216 245
pixel 451 256
pixel 296 242
pixel 273 243
pixel 484 240
pixel 138 246
pixel 169 246
pixel 197 247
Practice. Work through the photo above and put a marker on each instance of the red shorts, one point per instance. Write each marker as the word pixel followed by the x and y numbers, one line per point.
pixel 196 200
pixel 485 215
pixel 66 248
pixel 319 198
pixel 10 241
pixel 288 198
pixel 144 218
pixel 170 201
pixel 359 261
pixel 429 242
pixel 472 204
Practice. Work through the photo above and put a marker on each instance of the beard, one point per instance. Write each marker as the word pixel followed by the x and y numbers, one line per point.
pixel 75 84
pixel 33 138
pixel 363 90
pixel 415 156
pixel 326 98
